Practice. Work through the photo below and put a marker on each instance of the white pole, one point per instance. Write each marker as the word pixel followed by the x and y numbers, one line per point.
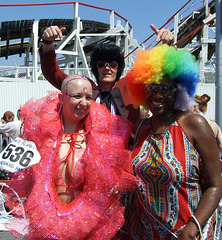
pixel 35 51
pixel 218 63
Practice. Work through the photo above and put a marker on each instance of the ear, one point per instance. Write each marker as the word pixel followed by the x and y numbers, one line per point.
pixel 61 98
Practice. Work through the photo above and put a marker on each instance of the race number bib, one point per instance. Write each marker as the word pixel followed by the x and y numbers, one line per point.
pixel 18 155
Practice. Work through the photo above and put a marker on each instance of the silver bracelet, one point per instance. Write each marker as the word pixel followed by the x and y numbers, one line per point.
pixel 194 220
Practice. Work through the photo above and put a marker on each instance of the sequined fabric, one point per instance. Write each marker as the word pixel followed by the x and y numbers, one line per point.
pixel 96 212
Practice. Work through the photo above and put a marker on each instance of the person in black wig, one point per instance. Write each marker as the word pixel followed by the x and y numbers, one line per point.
pixel 107 65
pixel 108 52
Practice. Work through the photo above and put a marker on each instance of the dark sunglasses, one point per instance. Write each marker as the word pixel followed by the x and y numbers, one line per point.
pixel 166 90
pixel 111 64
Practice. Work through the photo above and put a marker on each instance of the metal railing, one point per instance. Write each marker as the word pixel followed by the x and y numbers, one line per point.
pixel 18 73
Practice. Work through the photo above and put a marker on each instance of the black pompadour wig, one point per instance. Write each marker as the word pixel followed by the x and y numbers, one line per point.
pixel 107 52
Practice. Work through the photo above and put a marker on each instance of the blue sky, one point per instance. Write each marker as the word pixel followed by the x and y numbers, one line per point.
pixel 140 13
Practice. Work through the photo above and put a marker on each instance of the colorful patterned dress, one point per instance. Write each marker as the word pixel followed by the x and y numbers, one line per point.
pixel 169 169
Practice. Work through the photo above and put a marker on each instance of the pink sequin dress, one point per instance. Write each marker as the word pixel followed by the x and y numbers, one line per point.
pixel 104 171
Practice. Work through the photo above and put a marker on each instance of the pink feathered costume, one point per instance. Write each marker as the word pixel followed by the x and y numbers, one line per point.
pixel 96 212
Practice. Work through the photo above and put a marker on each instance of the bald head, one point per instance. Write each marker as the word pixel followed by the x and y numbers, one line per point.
pixel 76 98
pixel 75 79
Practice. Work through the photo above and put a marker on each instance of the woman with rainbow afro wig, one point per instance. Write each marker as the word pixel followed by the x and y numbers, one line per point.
pixel 151 66
pixel 180 183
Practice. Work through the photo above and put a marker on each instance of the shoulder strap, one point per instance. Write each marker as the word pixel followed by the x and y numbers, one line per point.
pixel 139 130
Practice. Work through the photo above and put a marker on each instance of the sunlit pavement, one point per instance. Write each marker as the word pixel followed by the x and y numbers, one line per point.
pixel 5 235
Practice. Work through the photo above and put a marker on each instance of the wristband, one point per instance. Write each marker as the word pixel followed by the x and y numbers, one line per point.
pixel 195 221
pixel 47 42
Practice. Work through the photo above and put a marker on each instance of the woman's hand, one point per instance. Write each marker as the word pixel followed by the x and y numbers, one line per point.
pixel 49 34
pixel 189 232
pixel 53 32
pixel 164 34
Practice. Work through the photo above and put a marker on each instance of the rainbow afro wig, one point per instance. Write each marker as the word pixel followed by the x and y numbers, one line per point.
pixel 151 65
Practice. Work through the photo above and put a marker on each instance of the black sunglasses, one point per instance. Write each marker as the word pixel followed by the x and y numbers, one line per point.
pixel 111 64
pixel 166 90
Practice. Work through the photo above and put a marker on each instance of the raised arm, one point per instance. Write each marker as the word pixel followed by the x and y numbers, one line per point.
pixel 50 68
